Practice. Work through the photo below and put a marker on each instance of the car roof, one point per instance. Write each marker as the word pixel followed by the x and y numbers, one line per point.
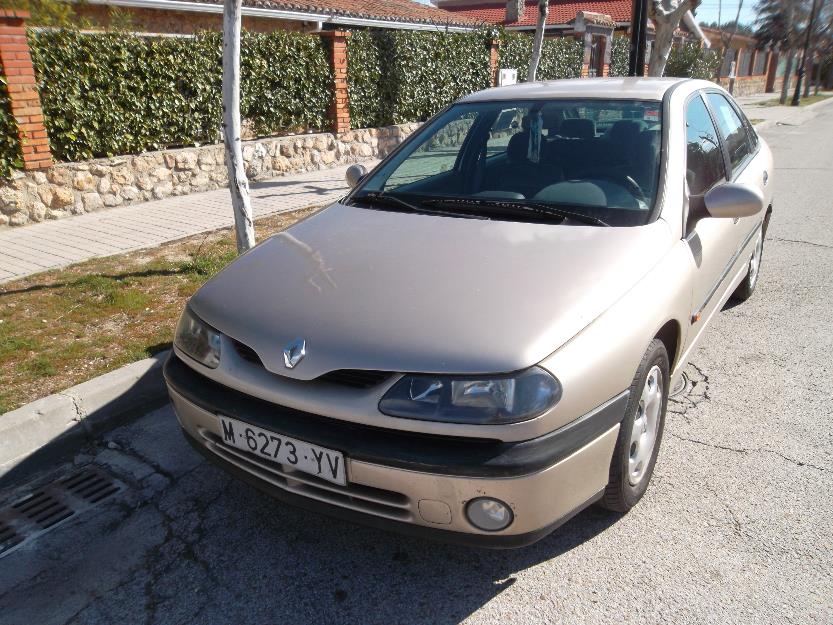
pixel 607 88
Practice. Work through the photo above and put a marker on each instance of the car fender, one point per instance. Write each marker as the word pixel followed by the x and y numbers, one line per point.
pixel 601 360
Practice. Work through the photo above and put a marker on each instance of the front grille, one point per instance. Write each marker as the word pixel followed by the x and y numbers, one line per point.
pixel 375 501
pixel 353 378
pixel 247 353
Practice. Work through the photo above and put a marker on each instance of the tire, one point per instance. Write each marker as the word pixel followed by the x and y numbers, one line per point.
pixel 746 288
pixel 635 454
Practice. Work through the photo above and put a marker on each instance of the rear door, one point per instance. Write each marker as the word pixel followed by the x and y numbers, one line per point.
pixel 713 242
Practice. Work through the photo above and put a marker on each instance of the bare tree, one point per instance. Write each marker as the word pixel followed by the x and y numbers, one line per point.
pixel 727 40
pixel 666 15
pixel 538 43
pixel 237 181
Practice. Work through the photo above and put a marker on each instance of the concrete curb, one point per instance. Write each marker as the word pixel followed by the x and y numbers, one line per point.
pixel 50 426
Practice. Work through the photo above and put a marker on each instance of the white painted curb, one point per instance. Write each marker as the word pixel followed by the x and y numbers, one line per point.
pixel 78 413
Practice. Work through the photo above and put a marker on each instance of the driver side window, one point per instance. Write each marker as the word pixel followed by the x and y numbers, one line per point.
pixel 704 158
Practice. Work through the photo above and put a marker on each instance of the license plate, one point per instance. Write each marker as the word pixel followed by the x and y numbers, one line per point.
pixel 300 455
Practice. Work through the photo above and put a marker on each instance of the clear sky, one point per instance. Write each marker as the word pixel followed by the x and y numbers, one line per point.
pixel 707 12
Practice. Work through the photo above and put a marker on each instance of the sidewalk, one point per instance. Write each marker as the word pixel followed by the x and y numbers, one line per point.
pixel 52 244
pixel 765 115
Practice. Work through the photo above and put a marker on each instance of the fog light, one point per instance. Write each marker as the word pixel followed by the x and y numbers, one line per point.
pixel 489 515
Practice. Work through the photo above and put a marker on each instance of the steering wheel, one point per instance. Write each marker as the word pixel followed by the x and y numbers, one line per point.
pixel 619 178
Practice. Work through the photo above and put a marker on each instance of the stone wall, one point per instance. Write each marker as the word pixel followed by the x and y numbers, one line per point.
pixel 76 188
pixel 745 85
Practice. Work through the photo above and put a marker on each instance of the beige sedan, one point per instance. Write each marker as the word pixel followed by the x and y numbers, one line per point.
pixel 479 340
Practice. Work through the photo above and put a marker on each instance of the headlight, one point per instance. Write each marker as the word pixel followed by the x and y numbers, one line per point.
pixel 197 339
pixel 491 400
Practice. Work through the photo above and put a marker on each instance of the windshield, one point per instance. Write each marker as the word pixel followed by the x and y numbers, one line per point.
pixel 595 159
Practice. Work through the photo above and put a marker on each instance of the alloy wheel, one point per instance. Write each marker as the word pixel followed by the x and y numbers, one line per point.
pixel 645 425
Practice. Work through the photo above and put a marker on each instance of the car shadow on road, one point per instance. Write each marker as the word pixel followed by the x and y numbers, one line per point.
pixel 186 543
pixel 291 562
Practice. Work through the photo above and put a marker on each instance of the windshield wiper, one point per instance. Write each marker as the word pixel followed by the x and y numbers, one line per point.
pixel 386 199
pixel 534 207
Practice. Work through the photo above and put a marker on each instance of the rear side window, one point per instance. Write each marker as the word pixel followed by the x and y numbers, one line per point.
pixel 704 159
pixel 733 129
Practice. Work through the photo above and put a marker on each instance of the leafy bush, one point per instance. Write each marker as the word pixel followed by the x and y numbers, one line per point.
pixel 402 76
pixel 514 53
pixel 115 93
pixel 10 156
pixel 619 56
pixel 560 58
pixel 692 61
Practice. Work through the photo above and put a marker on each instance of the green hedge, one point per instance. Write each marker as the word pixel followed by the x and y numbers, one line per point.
pixel 114 93
pixel 560 58
pixel 619 56
pixel 692 61
pixel 10 155
pixel 402 76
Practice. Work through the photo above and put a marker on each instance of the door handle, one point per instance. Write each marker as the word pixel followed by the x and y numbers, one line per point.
pixel 766 177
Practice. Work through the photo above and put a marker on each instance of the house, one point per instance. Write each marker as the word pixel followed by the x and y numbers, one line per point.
pixel 561 19
pixel 756 69
pixel 190 16
pixel 596 21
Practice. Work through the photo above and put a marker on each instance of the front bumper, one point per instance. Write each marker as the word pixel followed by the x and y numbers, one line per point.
pixel 406 482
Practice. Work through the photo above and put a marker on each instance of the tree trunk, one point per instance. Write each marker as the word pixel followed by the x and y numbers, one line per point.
pixel 817 82
pixel 238 183
pixel 809 75
pixel 538 43
pixel 666 15
pixel 785 88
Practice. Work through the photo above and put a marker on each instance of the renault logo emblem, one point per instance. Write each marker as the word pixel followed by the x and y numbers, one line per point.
pixel 294 353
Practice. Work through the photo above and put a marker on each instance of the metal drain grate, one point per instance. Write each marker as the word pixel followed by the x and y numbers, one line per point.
pixel 49 506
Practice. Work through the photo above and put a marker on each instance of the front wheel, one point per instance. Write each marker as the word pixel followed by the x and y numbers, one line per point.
pixel 640 432
pixel 747 287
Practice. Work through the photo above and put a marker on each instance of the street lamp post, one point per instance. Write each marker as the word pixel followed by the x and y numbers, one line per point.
pixel 639 38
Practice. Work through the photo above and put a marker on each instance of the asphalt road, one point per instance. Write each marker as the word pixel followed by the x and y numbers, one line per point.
pixel 737 526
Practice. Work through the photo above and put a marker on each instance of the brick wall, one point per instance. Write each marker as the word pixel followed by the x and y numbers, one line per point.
pixel 24 100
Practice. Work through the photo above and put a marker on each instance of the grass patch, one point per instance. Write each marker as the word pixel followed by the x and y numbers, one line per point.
pixel 812 99
pixel 62 327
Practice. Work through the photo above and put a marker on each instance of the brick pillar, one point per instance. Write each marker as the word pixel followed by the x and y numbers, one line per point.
pixel 340 108
pixel 587 40
pixel 23 91
pixel 494 66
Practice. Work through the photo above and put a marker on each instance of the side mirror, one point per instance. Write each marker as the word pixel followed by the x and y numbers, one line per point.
pixel 354 174
pixel 733 200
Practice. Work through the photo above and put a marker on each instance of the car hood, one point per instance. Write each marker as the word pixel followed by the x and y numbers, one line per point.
pixel 390 291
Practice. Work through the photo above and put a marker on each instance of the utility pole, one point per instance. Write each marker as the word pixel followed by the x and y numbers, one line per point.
pixel 639 38
pixel 801 68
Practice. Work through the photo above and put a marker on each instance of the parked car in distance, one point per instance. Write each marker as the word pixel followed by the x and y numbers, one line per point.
pixel 479 340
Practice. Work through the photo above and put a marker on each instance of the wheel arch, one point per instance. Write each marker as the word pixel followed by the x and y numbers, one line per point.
pixel 670 334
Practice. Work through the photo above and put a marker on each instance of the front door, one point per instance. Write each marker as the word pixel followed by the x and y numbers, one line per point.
pixel 713 242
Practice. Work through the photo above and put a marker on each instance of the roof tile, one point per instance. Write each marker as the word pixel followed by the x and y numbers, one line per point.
pixel 387 10
pixel 561 11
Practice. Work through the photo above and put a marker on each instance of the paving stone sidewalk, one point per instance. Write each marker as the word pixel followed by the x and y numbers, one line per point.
pixel 52 244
